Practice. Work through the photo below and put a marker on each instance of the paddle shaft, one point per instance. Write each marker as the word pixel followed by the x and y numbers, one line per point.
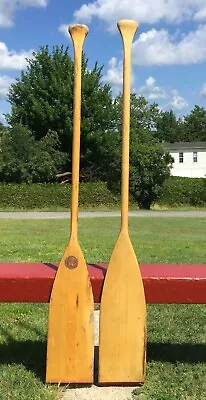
pixel 127 30
pixel 78 34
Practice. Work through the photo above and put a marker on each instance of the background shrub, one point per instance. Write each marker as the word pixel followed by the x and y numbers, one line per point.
pixel 176 191
pixel 30 196
pixel 181 190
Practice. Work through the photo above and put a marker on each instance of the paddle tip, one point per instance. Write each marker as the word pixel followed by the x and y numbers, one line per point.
pixel 127 26
pixel 78 28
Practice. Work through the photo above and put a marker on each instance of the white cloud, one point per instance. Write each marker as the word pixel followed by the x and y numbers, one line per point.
pixel 8 9
pixel 200 15
pixel 158 47
pixel 10 59
pixel 114 75
pixel 177 102
pixel 170 97
pixel 155 47
pixel 203 90
pixel 147 11
pixel 5 82
pixel 151 90
pixel 64 29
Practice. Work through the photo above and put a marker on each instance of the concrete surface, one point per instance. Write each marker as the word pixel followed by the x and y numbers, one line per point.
pixel 99 214
pixel 95 392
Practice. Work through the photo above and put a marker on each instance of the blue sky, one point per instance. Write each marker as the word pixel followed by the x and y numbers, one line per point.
pixel 169 49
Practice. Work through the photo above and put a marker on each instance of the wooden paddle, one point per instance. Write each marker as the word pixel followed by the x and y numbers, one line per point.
pixel 70 331
pixel 123 309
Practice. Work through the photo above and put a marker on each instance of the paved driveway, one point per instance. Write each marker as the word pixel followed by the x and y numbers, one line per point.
pixel 101 214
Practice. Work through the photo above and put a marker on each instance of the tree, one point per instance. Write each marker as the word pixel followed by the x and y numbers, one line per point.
pixel 195 125
pixel 22 159
pixel 167 128
pixel 2 127
pixel 142 114
pixel 149 165
pixel 42 100
pixel 191 128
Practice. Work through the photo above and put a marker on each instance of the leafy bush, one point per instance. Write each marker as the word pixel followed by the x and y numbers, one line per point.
pixel 149 170
pixel 30 196
pixel 22 159
pixel 181 190
pixel 176 191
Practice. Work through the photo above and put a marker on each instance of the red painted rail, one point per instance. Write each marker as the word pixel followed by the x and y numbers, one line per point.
pixel 163 283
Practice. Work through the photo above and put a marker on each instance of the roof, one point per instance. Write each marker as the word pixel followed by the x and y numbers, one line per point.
pixel 184 145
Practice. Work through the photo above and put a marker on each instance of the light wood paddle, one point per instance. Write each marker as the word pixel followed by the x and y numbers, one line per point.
pixel 123 310
pixel 70 349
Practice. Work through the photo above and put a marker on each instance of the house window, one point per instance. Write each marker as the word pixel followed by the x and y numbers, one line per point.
pixel 194 156
pixel 181 157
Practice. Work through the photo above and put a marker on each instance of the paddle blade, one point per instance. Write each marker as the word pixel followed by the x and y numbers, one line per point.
pixel 122 319
pixel 70 345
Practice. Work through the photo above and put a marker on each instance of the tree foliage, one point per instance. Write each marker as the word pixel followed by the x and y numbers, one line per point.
pixel 42 100
pixel 167 127
pixel 39 140
pixel 195 125
pixel 2 127
pixel 142 114
pixel 191 127
pixel 22 159
pixel 149 165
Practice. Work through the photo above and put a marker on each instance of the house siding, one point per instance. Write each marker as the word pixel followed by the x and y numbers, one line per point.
pixel 188 168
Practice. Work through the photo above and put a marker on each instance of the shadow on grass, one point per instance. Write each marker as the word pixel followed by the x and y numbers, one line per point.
pixel 32 354
pixel 29 353
pixel 176 352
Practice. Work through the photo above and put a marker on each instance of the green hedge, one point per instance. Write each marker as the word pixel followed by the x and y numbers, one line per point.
pixel 180 190
pixel 176 191
pixel 30 196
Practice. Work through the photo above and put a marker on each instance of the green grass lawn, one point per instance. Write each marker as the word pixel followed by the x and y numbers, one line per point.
pixel 174 240
pixel 176 354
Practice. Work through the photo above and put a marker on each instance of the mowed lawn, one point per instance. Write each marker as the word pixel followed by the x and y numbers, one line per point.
pixel 155 240
pixel 176 353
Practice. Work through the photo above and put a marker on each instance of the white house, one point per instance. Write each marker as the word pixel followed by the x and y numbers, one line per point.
pixel 189 158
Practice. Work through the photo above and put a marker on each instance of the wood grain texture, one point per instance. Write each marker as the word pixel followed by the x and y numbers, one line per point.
pixel 70 348
pixel 70 332
pixel 122 355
